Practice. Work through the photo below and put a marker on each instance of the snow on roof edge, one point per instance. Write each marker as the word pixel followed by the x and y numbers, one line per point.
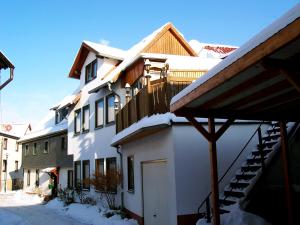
pixel 259 38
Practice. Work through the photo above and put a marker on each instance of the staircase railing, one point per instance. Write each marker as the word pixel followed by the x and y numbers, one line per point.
pixel 207 199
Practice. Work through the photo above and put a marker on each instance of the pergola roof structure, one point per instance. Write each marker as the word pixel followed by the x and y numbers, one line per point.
pixel 260 80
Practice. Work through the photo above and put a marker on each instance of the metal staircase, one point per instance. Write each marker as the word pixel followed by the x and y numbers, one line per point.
pixel 247 175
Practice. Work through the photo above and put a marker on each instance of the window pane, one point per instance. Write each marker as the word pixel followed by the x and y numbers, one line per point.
pixel 99 113
pixel 86 174
pixel 94 68
pixel 100 166
pixel 70 178
pixel 77 173
pixel 130 172
pixel 86 117
pixel 110 109
pixel 77 121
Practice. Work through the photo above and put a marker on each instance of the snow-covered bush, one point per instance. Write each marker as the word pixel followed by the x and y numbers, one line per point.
pixel 66 195
pixel 107 184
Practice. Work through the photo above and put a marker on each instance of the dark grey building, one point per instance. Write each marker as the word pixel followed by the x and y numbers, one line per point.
pixel 46 162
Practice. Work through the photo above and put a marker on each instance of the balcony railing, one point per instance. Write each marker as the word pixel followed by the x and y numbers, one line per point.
pixel 149 101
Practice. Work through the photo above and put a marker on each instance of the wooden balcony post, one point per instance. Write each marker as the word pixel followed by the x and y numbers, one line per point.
pixel 287 180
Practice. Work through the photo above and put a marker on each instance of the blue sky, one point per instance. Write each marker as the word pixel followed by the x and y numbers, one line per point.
pixel 42 38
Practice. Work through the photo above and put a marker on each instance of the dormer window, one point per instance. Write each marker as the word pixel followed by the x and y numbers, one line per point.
pixel 61 114
pixel 91 71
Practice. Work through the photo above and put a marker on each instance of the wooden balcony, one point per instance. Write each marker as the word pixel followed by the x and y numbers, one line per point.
pixel 149 101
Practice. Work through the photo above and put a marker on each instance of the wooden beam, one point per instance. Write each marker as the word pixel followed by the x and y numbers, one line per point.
pixel 292 77
pixel 223 128
pixel 214 172
pixel 259 95
pixel 199 127
pixel 252 82
pixel 285 162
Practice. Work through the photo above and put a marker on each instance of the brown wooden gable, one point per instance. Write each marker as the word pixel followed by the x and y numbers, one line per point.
pixel 167 41
pixel 171 44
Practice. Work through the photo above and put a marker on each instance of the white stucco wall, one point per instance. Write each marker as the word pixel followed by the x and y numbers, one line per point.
pixel 192 162
pixel 43 182
pixel 188 161
pixel 12 156
pixel 63 177
pixel 95 143
pixel 155 147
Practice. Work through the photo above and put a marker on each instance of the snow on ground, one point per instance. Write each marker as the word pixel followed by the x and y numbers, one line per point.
pixel 87 214
pixel 8 218
pixel 237 217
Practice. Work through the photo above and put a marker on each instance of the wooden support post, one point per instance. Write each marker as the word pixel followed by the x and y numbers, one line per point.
pixel 285 162
pixel 214 171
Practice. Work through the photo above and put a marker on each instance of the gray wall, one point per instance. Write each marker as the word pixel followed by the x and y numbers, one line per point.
pixel 57 157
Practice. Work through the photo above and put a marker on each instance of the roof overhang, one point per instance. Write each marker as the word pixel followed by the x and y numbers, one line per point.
pixel 4 62
pixel 262 83
pixel 81 57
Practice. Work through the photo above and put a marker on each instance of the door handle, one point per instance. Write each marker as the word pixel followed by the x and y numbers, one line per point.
pixel 154 215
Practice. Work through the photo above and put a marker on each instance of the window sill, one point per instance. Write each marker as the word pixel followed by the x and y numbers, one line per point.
pixel 76 134
pixel 130 191
pixel 110 124
pixel 85 131
pixel 99 127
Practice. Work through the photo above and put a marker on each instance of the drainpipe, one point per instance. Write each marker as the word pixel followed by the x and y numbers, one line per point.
pixel 11 77
pixel 122 182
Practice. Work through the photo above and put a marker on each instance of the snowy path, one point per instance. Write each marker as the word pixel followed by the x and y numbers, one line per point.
pixel 15 211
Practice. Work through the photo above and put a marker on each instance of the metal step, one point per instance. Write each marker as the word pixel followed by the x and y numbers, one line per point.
pixel 255 159
pixel 245 175
pixel 228 200
pixel 269 144
pixel 272 136
pixel 274 130
pixel 234 192
pixel 251 167
pixel 265 151
pixel 239 183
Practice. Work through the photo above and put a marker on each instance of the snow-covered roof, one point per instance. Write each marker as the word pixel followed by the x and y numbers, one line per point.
pixel 131 56
pixel 14 129
pixel 68 100
pixel 258 39
pixel 106 51
pixel 215 51
pixel 157 120
pixel 46 130
pixel 47 125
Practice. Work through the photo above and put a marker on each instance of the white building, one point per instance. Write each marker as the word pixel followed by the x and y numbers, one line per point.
pixel 11 174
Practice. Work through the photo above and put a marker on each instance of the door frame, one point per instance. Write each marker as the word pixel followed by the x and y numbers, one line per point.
pixel 142 181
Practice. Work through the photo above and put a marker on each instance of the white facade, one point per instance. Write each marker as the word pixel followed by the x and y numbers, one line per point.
pixel 12 156
pixel 11 173
pixel 186 152
pixel 95 143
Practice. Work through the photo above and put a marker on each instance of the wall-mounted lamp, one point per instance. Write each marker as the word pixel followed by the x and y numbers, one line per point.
pixel 117 103
pixel 127 89
pixel 147 65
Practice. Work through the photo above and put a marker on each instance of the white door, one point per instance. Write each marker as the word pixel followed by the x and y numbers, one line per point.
pixel 155 193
